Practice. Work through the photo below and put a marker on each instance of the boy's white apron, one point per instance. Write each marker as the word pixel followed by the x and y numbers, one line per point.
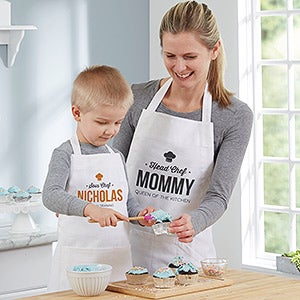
pixel 169 166
pixel 81 242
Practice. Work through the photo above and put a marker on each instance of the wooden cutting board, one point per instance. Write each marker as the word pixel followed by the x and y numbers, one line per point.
pixel 149 291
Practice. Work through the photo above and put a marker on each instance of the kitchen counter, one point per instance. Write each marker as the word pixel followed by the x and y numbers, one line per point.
pixel 9 241
pixel 247 285
pixel 21 247
pixel 22 231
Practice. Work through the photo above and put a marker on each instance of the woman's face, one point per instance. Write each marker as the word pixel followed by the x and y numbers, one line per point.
pixel 186 58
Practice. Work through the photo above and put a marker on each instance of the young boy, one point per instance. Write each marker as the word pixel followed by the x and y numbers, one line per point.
pixel 87 178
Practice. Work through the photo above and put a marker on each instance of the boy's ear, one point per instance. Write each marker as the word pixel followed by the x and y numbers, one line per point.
pixel 76 112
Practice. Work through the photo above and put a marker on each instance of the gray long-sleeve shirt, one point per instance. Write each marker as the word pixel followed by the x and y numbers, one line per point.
pixel 55 197
pixel 232 129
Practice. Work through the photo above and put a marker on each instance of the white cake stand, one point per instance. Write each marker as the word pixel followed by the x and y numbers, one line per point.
pixel 23 222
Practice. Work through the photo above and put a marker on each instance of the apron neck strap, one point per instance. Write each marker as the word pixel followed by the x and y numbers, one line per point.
pixel 206 106
pixel 159 95
pixel 75 145
pixel 109 149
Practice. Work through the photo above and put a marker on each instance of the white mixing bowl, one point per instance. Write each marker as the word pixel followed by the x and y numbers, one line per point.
pixel 89 279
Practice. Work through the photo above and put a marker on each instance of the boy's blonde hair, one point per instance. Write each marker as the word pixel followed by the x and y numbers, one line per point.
pixel 101 85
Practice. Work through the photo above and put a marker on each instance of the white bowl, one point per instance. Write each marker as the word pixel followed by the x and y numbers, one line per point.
pixel 214 267
pixel 90 282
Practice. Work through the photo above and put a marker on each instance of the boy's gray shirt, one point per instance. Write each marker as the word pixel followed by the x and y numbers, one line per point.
pixel 232 129
pixel 54 195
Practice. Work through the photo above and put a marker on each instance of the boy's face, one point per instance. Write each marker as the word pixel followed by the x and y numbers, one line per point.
pixel 99 125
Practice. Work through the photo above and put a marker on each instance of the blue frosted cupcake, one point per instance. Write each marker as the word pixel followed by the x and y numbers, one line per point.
pixel 137 275
pixel 163 220
pixel 14 189
pixel 175 263
pixel 187 273
pixel 21 196
pixel 164 278
pixel 4 195
pixel 34 192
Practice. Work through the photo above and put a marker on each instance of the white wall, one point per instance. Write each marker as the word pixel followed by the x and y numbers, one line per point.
pixel 227 231
pixel 35 114
pixel 34 93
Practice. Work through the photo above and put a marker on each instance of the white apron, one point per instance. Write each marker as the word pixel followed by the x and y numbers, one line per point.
pixel 101 179
pixel 169 167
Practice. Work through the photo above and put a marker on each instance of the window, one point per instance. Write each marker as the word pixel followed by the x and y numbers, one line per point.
pixel 270 78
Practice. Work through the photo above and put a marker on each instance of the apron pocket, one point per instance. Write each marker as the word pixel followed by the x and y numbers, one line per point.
pixel 151 251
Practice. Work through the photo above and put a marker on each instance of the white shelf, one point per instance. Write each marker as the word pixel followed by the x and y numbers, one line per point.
pixel 11 35
pixel 18 27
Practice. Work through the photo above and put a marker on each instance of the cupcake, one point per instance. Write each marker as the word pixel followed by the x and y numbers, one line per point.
pixel 14 189
pixel 34 192
pixel 21 196
pixel 137 275
pixel 187 273
pixel 164 278
pixel 176 262
pixel 162 220
pixel 4 195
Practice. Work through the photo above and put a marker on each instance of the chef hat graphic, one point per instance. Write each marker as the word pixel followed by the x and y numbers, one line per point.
pixel 169 156
pixel 99 176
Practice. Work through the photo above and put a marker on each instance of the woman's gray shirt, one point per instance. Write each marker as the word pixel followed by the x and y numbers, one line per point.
pixel 55 196
pixel 232 129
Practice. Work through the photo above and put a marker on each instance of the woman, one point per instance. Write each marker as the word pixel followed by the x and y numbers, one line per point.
pixel 184 139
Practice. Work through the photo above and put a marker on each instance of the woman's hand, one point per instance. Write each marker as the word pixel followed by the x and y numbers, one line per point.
pixel 146 211
pixel 104 216
pixel 183 228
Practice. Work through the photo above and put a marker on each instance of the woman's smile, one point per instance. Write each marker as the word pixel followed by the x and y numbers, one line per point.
pixel 183 76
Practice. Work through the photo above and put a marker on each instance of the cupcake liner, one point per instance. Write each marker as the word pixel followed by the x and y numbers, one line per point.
pixel 136 279
pixel 187 278
pixel 164 283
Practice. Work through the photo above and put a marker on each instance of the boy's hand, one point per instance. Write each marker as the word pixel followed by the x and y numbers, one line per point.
pixel 146 211
pixel 104 216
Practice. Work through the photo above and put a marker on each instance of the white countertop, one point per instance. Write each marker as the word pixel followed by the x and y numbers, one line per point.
pixel 21 230
pixel 9 241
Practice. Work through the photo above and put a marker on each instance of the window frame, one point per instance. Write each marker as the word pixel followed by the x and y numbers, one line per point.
pixel 250 66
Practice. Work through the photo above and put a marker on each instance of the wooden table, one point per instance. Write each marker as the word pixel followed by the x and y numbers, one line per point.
pixel 247 285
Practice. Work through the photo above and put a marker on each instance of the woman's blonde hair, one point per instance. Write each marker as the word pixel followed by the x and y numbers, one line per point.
pixel 195 17
pixel 101 85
